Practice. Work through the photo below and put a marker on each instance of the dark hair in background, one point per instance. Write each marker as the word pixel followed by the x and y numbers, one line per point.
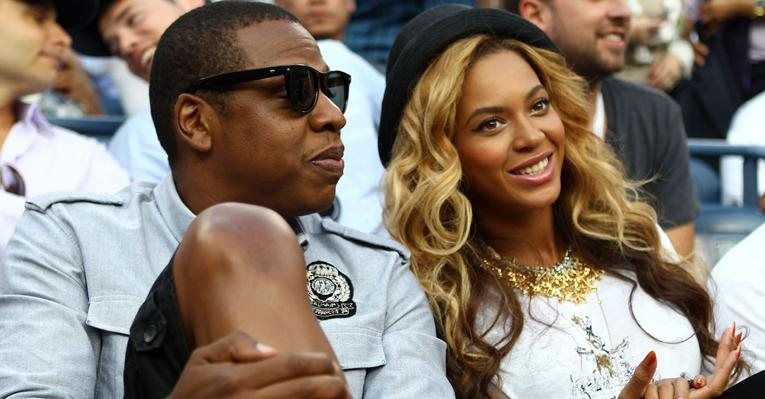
pixel 200 43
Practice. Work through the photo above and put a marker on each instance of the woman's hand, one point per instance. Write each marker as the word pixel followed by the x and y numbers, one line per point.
pixel 728 354
pixel 640 385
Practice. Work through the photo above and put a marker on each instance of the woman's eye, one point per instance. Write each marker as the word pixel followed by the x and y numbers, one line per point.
pixel 489 124
pixel 540 106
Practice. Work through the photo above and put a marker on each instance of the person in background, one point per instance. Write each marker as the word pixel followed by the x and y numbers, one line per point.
pixel 130 29
pixel 360 190
pixel 36 157
pixel 658 55
pixel 642 125
pixel 375 24
pixel 737 286
pixel 547 278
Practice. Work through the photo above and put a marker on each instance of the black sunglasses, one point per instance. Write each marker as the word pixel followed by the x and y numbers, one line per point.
pixel 302 83
pixel 11 180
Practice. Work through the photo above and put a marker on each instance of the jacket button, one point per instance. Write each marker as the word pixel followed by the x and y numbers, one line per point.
pixel 150 333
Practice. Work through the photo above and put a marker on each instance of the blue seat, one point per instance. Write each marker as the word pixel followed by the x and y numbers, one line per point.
pixel 101 128
pixel 719 226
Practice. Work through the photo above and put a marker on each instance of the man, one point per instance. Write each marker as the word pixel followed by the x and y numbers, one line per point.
pixel 360 190
pixel 36 157
pixel 643 126
pixel 266 134
pixel 131 29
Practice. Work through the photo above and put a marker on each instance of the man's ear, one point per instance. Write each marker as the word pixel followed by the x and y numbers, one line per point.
pixel 350 6
pixel 537 12
pixel 196 121
pixel 192 4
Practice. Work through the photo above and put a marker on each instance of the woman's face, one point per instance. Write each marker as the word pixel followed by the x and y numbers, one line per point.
pixel 509 139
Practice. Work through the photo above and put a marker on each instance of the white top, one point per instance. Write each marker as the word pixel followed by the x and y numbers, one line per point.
pixel 360 189
pixel 49 159
pixel 590 350
pixel 738 286
pixel 746 128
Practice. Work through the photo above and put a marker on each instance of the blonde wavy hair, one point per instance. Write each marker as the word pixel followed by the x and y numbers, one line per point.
pixel 596 213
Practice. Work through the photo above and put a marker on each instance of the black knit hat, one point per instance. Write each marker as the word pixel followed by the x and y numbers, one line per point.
pixel 425 37
pixel 73 14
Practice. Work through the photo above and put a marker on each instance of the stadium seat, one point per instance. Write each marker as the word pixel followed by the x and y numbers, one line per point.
pixel 719 226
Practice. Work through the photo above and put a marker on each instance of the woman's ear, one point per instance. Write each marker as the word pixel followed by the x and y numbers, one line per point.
pixel 197 122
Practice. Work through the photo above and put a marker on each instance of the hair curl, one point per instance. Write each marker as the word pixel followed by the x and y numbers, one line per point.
pixel 596 213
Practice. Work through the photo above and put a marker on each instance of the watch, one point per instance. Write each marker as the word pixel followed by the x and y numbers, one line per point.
pixel 759 8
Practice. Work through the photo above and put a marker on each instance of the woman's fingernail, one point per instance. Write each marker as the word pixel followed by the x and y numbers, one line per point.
pixel 650 358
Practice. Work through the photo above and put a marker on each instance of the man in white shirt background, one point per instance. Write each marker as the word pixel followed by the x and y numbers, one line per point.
pixel 36 157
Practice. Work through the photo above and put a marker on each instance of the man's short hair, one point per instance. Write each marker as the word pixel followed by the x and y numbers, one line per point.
pixel 200 43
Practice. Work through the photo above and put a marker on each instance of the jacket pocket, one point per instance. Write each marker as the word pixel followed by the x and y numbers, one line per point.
pixel 112 314
pixel 358 351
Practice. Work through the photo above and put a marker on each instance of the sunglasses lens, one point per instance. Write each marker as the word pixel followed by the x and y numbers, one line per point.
pixel 302 89
pixel 337 89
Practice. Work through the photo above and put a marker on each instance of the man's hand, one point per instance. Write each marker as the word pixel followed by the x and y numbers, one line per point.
pixel 666 72
pixel 714 13
pixel 643 29
pixel 74 83
pixel 237 366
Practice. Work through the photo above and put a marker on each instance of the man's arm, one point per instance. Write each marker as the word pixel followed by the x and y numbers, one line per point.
pixel 678 205
pixel 415 359
pixel 683 238
pixel 46 348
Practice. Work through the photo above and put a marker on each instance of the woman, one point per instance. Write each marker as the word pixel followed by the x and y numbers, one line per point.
pixel 547 279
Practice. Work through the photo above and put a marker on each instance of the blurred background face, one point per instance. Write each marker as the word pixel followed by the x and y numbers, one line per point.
pixel 132 28
pixel 31 44
pixel 592 34
pixel 325 19
pixel 509 138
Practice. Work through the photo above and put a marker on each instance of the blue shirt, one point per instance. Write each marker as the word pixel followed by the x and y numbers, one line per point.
pixel 136 147
pixel 375 24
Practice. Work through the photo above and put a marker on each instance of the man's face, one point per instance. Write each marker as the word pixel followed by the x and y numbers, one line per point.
pixel 325 19
pixel 266 153
pixel 592 34
pixel 32 44
pixel 132 28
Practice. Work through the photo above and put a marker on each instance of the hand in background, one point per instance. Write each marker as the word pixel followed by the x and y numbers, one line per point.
pixel 74 83
pixel 643 28
pixel 665 72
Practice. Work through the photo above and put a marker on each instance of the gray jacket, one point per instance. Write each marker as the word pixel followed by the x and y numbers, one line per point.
pixel 79 266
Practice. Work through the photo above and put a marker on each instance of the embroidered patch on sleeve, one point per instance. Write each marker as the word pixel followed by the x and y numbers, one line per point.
pixel 330 291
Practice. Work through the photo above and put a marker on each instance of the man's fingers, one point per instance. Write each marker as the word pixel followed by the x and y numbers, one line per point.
pixel 313 387
pixel 235 347
pixel 283 367
pixel 641 378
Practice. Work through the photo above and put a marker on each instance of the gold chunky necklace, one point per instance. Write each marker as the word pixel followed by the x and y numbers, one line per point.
pixel 568 280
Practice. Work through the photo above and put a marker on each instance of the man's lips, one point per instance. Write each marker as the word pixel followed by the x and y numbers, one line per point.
pixel 331 159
